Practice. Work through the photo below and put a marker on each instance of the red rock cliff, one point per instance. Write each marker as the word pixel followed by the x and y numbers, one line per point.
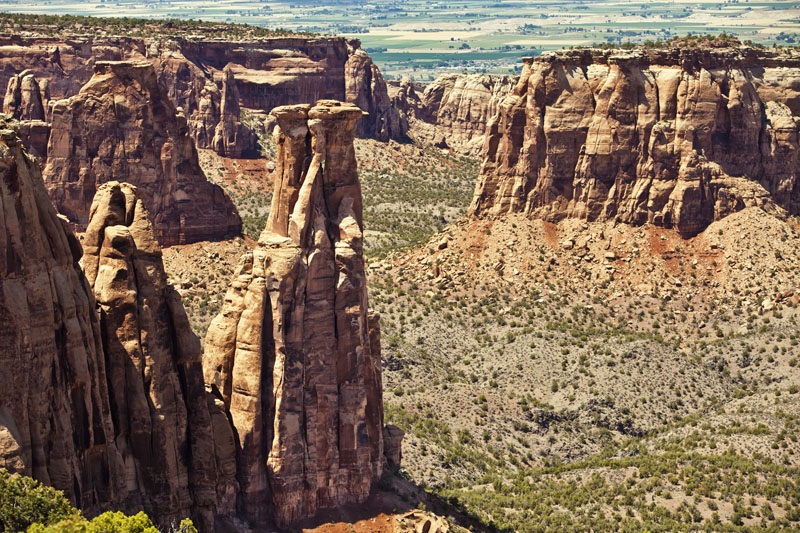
pixel 122 127
pixel 294 353
pixel 269 72
pixel 677 137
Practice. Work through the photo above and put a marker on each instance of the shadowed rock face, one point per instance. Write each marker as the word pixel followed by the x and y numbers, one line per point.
pixel 162 424
pixel 122 126
pixel 678 138
pixel 294 354
pixel 454 110
pixel 110 404
pixel 56 425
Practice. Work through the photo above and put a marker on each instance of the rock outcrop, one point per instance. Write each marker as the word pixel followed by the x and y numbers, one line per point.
pixel 366 88
pixel 122 126
pixel 26 100
pixel 294 354
pixel 162 424
pixel 675 137
pixel 231 137
pixel 190 88
pixel 454 110
pixel 55 415
pixel 108 401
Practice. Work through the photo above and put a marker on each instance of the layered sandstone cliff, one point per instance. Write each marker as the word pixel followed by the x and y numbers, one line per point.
pixel 454 110
pixel 269 72
pixel 122 127
pixel 294 353
pixel 677 137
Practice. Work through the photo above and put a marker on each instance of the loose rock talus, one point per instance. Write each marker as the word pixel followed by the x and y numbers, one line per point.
pixel 294 353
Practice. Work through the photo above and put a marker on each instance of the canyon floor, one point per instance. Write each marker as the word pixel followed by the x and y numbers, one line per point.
pixel 561 376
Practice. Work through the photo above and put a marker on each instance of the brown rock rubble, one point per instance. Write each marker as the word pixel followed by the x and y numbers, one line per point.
pixel 294 354
pixel 678 138
pixel 122 126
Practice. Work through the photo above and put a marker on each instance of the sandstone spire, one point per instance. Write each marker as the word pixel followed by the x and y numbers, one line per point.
pixel 291 353
pixel 162 424
pixel 232 138
pixel 122 127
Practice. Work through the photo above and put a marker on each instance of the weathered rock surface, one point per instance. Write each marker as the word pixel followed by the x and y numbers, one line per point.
pixel 55 415
pixel 294 354
pixel 122 126
pixel 366 88
pixel 190 87
pixel 677 137
pixel 26 100
pixel 269 73
pixel 162 424
pixel 231 137
pixel 454 110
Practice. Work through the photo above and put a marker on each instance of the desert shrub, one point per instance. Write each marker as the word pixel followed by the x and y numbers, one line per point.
pixel 24 501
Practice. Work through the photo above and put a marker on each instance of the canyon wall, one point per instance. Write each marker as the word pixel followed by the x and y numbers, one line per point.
pixel 454 110
pixel 122 127
pixel 268 72
pixel 55 413
pixel 675 137
pixel 294 354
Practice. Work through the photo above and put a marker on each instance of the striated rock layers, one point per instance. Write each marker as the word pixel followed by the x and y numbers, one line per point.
pixel 454 110
pixel 231 137
pixel 122 126
pixel 269 72
pixel 294 353
pixel 677 137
